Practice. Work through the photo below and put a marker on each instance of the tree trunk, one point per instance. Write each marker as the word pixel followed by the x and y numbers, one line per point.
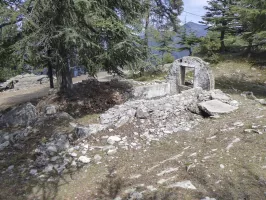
pixel 190 51
pixel 64 80
pixel 222 48
pixel 146 36
pixel 50 70
pixel 248 51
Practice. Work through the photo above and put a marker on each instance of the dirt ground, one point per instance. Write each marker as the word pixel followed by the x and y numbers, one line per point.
pixel 220 157
pixel 14 97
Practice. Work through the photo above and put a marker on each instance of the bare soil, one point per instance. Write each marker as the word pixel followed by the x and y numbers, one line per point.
pixel 206 155
pixel 11 98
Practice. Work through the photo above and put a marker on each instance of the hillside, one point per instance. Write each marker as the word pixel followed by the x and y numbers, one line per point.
pixel 198 29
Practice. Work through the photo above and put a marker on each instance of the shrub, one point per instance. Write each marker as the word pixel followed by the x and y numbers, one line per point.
pixel 209 47
pixel 6 73
pixel 168 58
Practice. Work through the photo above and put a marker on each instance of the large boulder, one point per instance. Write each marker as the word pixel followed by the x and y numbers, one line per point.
pixel 22 115
pixel 216 107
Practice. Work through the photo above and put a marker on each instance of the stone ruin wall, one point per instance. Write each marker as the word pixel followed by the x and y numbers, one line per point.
pixel 175 81
pixel 202 74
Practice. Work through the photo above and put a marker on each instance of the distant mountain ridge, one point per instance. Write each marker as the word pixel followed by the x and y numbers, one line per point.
pixel 198 29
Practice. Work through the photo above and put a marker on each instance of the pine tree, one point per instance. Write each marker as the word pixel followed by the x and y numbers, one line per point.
pixel 9 34
pixel 95 34
pixel 187 40
pixel 220 17
pixel 165 42
pixel 253 21
pixel 161 15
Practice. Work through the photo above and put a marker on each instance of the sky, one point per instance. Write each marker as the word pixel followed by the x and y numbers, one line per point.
pixel 195 7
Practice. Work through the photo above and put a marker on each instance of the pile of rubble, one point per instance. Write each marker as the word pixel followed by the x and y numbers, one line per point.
pixel 155 112
pixel 151 119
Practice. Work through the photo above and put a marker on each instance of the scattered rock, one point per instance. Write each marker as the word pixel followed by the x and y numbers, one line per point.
pixel 151 188
pixel 232 143
pixel 54 158
pixel 73 154
pixel 4 145
pixel 111 152
pixel 10 168
pixel 142 113
pixel 162 181
pixel 215 117
pixel 122 121
pixel 167 171
pixel 84 159
pixel 249 130
pixel 82 132
pixel 41 161
pixel 61 142
pixel 250 95
pixel 238 124
pixel 234 103
pixel 219 95
pixel 136 176
pixel 183 184
pixel 113 139
pixel 33 172
pixel 48 168
pixel 97 158
pixel 51 149
pixel 50 110
pixel 208 198
pixel 73 163
pixel 135 196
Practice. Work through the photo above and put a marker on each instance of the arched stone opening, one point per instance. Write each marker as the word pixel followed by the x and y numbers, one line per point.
pixel 202 75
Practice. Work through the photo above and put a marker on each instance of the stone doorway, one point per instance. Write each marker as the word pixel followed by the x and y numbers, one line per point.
pixel 187 75
pixel 202 76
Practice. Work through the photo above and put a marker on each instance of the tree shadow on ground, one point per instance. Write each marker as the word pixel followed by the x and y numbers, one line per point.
pixel 18 187
pixel 114 186
pixel 236 85
pixel 18 183
pixel 90 97
pixel 244 184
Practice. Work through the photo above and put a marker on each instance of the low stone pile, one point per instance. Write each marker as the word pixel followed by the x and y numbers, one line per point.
pixel 171 112
pixel 150 120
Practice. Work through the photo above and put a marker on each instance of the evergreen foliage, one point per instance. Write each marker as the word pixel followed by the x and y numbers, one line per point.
pixel 209 47
pixel 95 34
pixel 166 44
pixel 188 40
pixel 161 16
pixel 220 17
pixel 253 20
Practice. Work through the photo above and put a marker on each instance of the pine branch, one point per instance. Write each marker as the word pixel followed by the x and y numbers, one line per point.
pixel 10 23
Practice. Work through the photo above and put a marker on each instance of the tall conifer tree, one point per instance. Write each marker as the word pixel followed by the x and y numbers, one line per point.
pixel 220 17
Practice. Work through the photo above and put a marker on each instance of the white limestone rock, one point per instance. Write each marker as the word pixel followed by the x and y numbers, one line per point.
pixel 216 107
